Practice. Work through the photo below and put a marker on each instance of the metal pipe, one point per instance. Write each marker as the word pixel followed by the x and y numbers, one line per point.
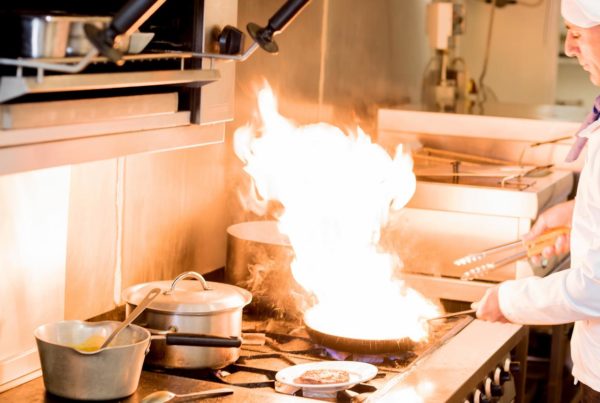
pixel 238 58
pixel 286 14
pixel 63 68
pixel 133 14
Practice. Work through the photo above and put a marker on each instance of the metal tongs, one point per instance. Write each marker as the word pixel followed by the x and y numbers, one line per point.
pixel 528 248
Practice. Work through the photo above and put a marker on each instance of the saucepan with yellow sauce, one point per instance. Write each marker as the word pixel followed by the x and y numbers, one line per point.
pixel 74 367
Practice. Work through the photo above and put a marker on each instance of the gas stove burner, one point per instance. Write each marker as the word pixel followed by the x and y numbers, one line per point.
pixel 282 357
pixel 246 376
pixel 286 343
pixel 397 360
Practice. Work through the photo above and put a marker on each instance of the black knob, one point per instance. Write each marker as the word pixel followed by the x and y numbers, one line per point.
pixel 480 397
pixel 515 367
pixel 231 41
pixel 504 377
pixel 497 390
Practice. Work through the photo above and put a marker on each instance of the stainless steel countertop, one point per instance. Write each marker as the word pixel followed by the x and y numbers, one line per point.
pixel 33 391
pixel 449 374
pixel 454 370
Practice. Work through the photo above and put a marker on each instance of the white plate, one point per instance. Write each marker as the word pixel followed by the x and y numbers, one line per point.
pixel 358 372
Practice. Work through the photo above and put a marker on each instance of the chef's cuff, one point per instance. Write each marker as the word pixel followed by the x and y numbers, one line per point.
pixel 508 300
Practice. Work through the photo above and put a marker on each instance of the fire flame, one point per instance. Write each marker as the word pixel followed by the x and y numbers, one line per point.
pixel 337 191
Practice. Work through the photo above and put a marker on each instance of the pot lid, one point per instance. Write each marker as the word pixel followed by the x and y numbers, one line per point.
pixel 190 296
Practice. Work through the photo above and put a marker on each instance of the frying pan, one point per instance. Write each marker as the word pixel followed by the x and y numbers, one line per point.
pixel 357 345
pixel 388 346
pixel 360 346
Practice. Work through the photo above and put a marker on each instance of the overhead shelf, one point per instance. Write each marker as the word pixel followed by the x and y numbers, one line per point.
pixel 14 87
pixel 145 123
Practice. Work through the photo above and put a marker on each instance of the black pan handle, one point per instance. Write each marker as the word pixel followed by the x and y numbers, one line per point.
pixel 201 340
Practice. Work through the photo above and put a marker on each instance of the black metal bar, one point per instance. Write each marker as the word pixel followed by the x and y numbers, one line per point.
pixel 286 14
pixel 128 19
pixel 131 14
pixel 264 35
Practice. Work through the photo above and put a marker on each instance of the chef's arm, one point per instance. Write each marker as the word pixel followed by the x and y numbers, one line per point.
pixel 489 306
pixel 560 215
pixel 562 297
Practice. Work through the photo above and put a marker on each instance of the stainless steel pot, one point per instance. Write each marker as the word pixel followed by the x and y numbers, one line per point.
pixel 58 35
pixel 111 373
pixel 195 324
pixel 258 259
pixel 44 35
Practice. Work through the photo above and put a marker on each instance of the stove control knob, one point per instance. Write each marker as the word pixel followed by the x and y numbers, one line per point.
pixel 501 376
pixel 515 367
pixel 497 390
pixel 492 390
pixel 512 366
pixel 480 397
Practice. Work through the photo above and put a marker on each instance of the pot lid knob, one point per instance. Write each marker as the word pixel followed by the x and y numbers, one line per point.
pixel 185 275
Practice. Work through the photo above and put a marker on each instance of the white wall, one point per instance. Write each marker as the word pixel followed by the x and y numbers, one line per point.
pixel 33 249
pixel 524 49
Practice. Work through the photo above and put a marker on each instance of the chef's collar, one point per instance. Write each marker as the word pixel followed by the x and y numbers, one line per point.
pixel 591 124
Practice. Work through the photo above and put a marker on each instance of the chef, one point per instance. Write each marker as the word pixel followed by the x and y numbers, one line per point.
pixel 571 295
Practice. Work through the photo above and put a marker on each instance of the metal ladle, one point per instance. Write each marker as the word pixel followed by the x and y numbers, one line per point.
pixel 153 293
pixel 162 396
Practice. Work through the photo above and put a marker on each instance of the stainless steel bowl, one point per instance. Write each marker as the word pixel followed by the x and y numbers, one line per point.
pixel 110 373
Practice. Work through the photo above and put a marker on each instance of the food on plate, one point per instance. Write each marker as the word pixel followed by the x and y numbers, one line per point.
pixel 323 376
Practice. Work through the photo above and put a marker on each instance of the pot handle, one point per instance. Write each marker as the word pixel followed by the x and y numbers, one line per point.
pixel 185 275
pixel 201 340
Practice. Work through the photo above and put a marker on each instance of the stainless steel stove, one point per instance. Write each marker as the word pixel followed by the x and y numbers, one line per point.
pixel 465 360
pixel 468 366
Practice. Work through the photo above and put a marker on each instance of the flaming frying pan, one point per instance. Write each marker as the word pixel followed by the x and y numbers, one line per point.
pixel 361 346
pixel 439 330
pixel 358 346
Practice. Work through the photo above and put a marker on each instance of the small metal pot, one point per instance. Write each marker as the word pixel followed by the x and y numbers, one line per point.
pixel 111 373
pixel 44 35
pixel 195 324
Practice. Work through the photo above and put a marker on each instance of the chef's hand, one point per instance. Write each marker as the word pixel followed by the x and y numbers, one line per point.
pixel 560 215
pixel 488 308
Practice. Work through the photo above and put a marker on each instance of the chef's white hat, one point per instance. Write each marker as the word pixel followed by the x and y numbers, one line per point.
pixel 583 13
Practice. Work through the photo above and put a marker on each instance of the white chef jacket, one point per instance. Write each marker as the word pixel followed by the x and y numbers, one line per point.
pixel 571 295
